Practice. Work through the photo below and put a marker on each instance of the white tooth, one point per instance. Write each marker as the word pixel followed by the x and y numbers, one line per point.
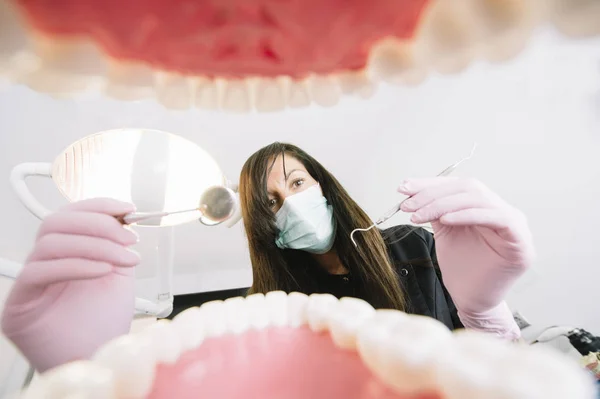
pixel 80 379
pixel 478 365
pixel 13 36
pixel 235 96
pixel 257 311
pixel 276 304
pixel 324 90
pixel 74 57
pixel 576 18
pixel 269 95
pixel 297 309
pixel 346 319
pixel 132 360
pixel 236 314
pixel 505 25
pixel 356 83
pixel 297 94
pixel 189 326
pixel 206 93
pixel 166 343
pixel 214 318
pixel 65 67
pixel 542 373
pixel 447 38
pixel 320 306
pixel 394 62
pixel 53 83
pixel 129 82
pixel 467 367
pixel 374 333
pixel 401 349
pixel 174 91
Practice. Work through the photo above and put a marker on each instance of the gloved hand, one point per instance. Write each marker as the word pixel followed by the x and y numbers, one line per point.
pixel 76 289
pixel 483 246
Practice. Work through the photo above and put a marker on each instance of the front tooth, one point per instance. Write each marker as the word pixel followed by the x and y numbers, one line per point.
pixel 320 306
pixel 214 319
pixel 236 314
pixel 189 326
pixel 276 304
pixel 235 96
pixel 257 311
pixel 576 18
pixel 165 339
pixel 447 38
pixel 346 319
pixel 356 83
pixel 80 379
pixel 129 82
pixel 297 308
pixel 206 93
pixel 297 94
pixel 394 62
pixel 132 360
pixel 401 349
pixel 173 91
pixel 324 90
pixel 269 95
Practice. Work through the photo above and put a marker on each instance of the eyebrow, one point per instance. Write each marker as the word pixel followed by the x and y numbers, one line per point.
pixel 269 192
pixel 291 172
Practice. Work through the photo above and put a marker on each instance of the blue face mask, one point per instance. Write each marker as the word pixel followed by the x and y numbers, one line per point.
pixel 305 222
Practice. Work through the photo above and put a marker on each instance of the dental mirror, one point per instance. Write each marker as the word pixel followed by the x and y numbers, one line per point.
pixel 217 204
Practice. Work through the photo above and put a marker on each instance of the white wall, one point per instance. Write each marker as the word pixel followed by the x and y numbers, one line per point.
pixel 536 119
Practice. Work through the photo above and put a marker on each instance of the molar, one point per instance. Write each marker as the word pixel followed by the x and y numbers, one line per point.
pixel 346 319
pixel 401 349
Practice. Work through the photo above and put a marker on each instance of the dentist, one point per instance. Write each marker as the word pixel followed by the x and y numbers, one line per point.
pixel 76 290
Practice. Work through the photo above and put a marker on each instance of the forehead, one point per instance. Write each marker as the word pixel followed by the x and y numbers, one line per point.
pixel 276 175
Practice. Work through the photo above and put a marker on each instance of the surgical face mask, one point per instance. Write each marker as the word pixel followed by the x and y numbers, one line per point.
pixel 305 222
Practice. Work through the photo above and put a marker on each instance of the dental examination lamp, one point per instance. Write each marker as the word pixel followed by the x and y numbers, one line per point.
pixel 161 173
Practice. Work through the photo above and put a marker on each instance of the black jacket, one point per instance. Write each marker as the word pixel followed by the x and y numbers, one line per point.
pixel 412 254
pixel 416 263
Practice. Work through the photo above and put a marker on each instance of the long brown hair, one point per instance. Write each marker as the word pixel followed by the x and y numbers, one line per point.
pixel 276 269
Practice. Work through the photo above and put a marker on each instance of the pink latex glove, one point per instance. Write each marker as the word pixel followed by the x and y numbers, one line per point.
pixel 483 246
pixel 76 289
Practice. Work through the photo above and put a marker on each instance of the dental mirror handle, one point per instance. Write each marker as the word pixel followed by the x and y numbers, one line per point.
pixel 136 217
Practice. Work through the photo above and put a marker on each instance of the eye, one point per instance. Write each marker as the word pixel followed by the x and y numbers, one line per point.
pixel 272 202
pixel 298 182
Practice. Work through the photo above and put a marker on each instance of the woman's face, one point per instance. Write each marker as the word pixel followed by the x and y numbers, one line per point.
pixel 280 186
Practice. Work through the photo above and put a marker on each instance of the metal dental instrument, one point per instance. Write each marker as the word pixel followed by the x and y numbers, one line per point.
pixel 216 205
pixel 386 216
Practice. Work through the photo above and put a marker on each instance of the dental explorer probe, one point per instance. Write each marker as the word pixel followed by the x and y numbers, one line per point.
pixel 386 216
pixel 217 204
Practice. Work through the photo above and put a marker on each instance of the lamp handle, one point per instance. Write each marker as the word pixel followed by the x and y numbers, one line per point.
pixel 17 180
